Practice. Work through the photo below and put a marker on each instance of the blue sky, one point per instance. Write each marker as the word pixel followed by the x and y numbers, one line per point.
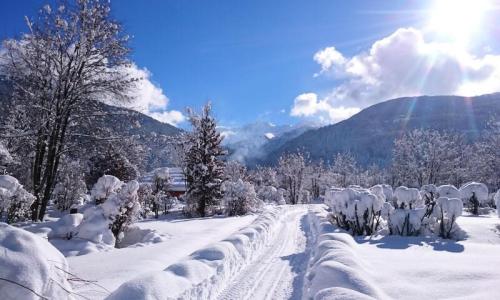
pixel 255 59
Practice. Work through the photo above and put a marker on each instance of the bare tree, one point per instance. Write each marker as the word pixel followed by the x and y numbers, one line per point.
pixel 344 166
pixel 71 57
pixel 292 170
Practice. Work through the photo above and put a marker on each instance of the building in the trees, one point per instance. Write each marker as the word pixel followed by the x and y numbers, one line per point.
pixel 177 185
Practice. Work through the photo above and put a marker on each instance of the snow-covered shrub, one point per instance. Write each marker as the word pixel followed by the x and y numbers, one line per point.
pixel 448 191
pixel 497 202
pixel 15 201
pixel 106 222
pixel 406 222
pixel 106 186
pixel 447 211
pixel 407 218
pixel 33 263
pixel 407 198
pixel 474 194
pixel 383 191
pixel 429 193
pixel 71 188
pixel 161 198
pixel 356 210
pixel 146 198
pixel 123 208
pixel 270 194
pixel 239 197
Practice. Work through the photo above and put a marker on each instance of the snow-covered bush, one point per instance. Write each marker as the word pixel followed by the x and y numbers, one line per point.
pixel 15 201
pixel 161 198
pixel 146 198
pixel 429 193
pixel 106 186
pixel 407 222
pixel 448 191
pixel 383 191
pixel 239 197
pixel 123 208
pixel 32 265
pixel 447 211
pixel 474 194
pixel 71 188
pixel 356 210
pixel 408 198
pixel 497 202
pixel 106 222
pixel 270 194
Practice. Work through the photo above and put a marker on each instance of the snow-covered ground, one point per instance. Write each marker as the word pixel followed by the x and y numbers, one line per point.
pixel 184 236
pixel 396 267
pixel 291 252
pixel 277 273
pixel 429 268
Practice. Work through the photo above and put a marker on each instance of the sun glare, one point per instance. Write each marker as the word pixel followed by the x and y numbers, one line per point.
pixel 457 19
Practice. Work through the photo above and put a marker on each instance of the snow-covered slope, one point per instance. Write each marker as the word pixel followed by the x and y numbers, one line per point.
pixel 369 135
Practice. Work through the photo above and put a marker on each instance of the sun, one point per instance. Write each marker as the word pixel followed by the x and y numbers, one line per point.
pixel 457 19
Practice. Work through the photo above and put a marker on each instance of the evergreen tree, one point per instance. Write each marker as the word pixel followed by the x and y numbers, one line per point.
pixel 204 166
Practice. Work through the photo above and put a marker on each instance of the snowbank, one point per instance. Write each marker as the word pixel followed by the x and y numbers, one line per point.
pixel 31 261
pixel 204 273
pixel 336 271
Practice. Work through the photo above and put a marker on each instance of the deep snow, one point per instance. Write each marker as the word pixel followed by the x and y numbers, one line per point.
pixel 182 237
pixel 285 252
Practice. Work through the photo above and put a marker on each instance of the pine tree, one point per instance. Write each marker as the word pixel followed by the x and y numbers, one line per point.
pixel 204 167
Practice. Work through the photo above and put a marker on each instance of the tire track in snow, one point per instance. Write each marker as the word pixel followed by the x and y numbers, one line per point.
pixel 278 273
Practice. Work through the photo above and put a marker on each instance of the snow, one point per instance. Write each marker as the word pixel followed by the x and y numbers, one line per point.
pixel 406 268
pixel 408 197
pixel 448 191
pixel 269 135
pixel 162 173
pixel 31 261
pixel 474 188
pixel 179 238
pixel 105 186
pixel 203 274
pixel 335 264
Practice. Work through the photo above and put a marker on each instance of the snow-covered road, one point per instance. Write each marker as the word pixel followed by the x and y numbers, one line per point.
pixel 279 272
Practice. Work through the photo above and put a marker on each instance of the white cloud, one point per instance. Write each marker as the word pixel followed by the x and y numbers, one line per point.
pixel 402 64
pixel 308 105
pixel 329 59
pixel 149 99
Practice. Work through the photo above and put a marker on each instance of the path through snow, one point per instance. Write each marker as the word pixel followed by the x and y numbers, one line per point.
pixel 279 272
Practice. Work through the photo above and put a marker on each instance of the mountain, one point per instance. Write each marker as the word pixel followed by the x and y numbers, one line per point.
pixel 250 143
pixel 370 134
pixel 123 122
